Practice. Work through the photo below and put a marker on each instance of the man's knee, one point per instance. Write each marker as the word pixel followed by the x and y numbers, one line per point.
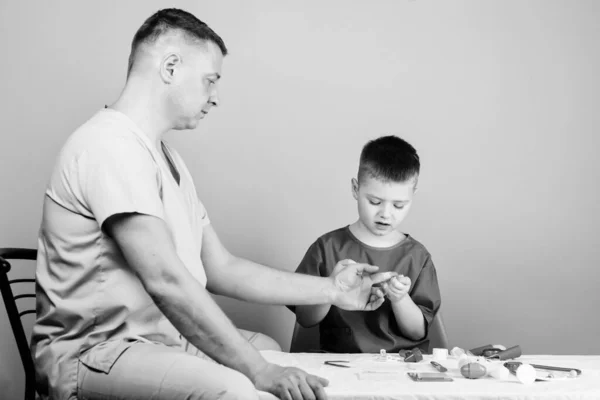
pixel 237 387
pixel 263 342
pixel 260 341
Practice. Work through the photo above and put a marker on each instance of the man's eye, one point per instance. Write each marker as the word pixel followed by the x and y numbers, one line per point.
pixel 399 207
pixel 375 203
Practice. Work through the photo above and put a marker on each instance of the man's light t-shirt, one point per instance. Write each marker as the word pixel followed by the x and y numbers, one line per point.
pixel 90 304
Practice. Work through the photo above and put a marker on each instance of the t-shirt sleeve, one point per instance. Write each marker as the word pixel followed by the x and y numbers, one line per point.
pixel 426 292
pixel 311 264
pixel 119 179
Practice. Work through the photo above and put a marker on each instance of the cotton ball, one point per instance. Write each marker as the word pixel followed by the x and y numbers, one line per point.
pixel 572 374
pixel 457 352
pixel 499 346
pixel 526 374
pixel 500 372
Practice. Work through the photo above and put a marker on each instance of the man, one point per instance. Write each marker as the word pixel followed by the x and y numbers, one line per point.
pixel 127 255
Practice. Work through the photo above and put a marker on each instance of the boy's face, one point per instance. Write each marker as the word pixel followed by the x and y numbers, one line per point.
pixel 382 206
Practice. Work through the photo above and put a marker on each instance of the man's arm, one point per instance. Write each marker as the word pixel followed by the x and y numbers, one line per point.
pixel 148 249
pixel 243 279
pixel 146 245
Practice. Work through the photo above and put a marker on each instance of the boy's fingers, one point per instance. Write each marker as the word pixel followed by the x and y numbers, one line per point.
pixel 405 281
pixel 397 284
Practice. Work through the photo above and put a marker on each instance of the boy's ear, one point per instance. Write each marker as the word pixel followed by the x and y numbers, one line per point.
pixel 416 186
pixel 354 183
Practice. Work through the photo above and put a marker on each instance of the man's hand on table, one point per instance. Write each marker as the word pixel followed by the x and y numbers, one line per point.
pixel 353 290
pixel 289 383
pixel 353 285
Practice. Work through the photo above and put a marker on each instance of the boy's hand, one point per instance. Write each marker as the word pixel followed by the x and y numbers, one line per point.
pixel 353 284
pixel 396 288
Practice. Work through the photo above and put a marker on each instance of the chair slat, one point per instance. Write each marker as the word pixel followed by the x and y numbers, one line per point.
pixel 21 296
pixel 13 253
pixel 13 313
pixel 22 281
pixel 26 312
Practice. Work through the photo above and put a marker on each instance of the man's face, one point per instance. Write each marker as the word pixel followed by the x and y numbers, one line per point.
pixel 195 86
pixel 382 206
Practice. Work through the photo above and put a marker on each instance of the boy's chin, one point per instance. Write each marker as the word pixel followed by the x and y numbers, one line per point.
pixel 382 231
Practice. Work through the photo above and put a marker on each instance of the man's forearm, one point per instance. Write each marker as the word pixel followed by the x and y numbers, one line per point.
pixel 249 281
pixel 409 318
pixel 199 319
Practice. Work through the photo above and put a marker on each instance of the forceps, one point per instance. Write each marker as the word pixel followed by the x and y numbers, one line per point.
pixel 334 363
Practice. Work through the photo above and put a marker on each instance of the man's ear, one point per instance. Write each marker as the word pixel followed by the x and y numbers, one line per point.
pixel 169 67
pixel 354 184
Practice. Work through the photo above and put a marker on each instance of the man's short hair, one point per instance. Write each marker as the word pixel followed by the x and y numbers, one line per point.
pixel 169 20
pixel 389 159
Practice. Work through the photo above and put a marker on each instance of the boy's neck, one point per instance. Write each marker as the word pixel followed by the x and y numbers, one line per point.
pixel 369 239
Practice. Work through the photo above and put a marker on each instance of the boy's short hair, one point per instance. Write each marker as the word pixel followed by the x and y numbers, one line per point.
pixel 173 19
pixel 389 158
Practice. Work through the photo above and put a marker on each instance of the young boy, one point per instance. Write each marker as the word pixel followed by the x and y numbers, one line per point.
pixel 384 189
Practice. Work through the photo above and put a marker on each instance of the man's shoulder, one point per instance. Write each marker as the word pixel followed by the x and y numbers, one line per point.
pixel 105 125
pixel 103 132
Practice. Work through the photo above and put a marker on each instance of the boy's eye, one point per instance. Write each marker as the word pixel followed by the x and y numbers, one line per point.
pixel 399 207
pixel 375 203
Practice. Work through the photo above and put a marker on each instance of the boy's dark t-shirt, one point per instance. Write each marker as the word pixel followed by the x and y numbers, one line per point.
pixel 344 331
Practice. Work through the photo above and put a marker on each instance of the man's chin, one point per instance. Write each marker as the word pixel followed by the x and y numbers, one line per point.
pixel 187 125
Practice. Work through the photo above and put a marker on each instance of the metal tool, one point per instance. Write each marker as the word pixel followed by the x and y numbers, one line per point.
pixel 439 366
pixel 334 363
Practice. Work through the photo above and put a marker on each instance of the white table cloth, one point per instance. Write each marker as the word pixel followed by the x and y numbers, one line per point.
pixel 369 379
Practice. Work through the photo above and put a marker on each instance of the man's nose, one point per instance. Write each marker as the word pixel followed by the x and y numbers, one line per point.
pixel 213 100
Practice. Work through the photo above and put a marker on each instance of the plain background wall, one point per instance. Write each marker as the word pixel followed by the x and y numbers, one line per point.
pixel 499 97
